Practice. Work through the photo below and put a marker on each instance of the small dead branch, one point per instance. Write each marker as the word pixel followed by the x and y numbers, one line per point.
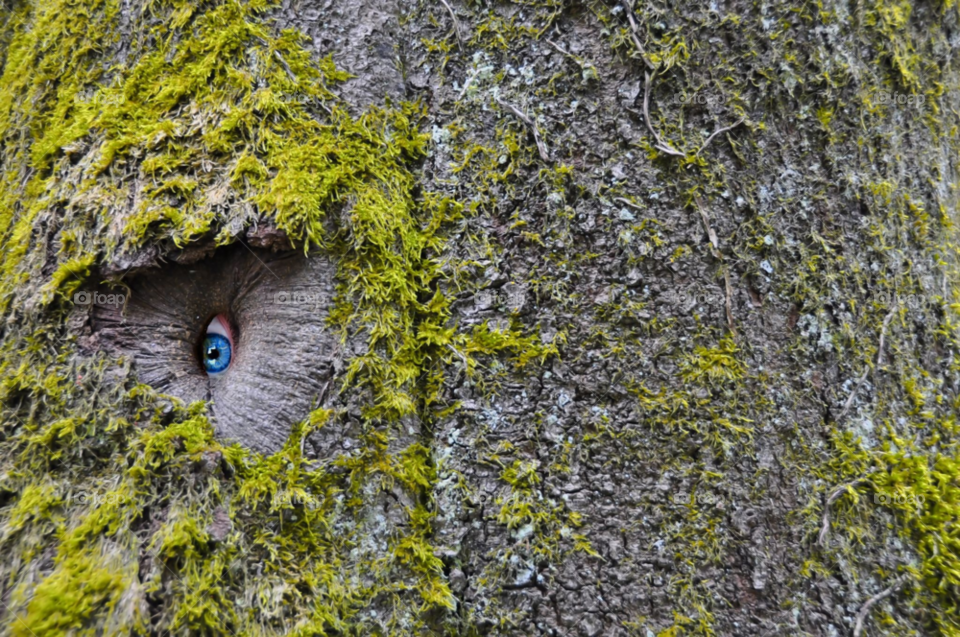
pixel 585 67
pixel 635 32
pixel 286 67
pixel 839 491
pixel 466 363
pixel 715 249
pixel 825 526
pixel 714 242
pixel 629 203
pixel 456 24
pixel 719 131
pixel 562 50
pixel 729 301
pixel 873 601
pixel 291 74
pixel 863 377
pixel 544 155
pixel 659 144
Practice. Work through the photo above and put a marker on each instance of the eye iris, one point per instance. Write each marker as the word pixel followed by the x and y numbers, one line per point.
pixel 216 353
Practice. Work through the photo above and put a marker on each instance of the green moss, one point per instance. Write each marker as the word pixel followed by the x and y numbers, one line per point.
pixel 264 134
pixel 223 120
pixel 80 589
pixel 713 364
pixel 227 121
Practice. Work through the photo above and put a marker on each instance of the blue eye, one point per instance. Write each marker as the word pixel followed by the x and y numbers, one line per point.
pixel 216 353
pixel 217 347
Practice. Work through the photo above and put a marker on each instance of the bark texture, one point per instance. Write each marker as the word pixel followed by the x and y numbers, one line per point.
pixel 625 318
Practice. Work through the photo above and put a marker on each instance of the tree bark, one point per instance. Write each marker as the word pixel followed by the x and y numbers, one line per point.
pixel 674 353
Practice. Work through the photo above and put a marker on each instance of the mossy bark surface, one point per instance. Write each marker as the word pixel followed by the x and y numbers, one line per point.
pixel 650 313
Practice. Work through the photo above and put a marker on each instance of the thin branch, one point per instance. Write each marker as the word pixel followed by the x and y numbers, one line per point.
pixel 729 300
pixel 706 225
pixel 466 85
pixel 544 155
pixel 326 109
pixel 719 131
pixel 873 601
pixel 466 364
pixel 659 144
pixel 291 74
pixel 715 249
pixel 825 526
pixel 627 202
pixel 863 377
pixel 562 50
pixel 634 32
pixel 286 67
pixel 839 491
pixel 456 24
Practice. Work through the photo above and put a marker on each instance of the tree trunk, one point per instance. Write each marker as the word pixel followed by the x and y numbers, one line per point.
pixel 644 319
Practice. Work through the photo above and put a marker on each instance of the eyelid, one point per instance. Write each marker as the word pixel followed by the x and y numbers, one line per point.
pixel 220 325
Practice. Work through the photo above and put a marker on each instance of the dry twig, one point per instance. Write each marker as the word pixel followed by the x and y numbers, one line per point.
pixel 291 74
pixel 659 144
pixel 635 32
pixel 839 491
pixel 286 67
pixel 542 147
pixel 825 526
pixel 721 130
pixel 870 603
pixel 863 377
pixel 562 50
pixel 629 203
pixel 466 363
pixel 456 24
pixel 715 248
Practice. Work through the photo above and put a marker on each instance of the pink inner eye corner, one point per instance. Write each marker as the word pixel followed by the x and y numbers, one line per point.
pixel 221 325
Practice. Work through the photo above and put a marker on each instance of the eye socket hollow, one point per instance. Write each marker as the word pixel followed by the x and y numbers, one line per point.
pixel 216 350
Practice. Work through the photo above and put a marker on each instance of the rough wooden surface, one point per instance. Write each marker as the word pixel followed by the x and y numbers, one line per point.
pixel 655 291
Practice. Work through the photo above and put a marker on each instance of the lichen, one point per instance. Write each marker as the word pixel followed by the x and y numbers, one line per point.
pixel 214 120
pixel 224 121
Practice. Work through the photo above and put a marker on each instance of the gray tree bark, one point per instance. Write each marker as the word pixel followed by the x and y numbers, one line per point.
pixel 701 374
